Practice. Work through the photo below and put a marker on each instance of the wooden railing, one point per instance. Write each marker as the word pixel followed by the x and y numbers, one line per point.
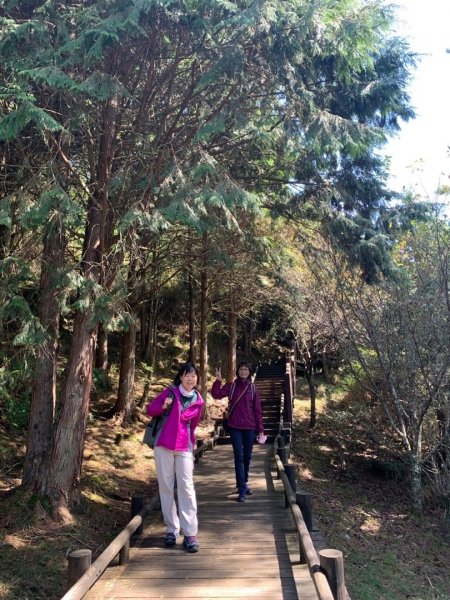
pixel 327 567
pixel 289 387
pixel 82 575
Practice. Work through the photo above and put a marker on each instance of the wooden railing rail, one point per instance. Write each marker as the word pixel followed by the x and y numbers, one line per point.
pixel 326 569
pixel 121 543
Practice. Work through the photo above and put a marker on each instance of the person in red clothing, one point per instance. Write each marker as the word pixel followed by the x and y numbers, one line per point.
pixel 244 419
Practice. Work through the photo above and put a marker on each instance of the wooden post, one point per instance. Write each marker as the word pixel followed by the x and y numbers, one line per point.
pixel 282 454
pixel 79 563
pixel 302 553
pixel 286 433
pixel 286 437
pixel 290 472
pixel 304 501
pixel 332 564
pixel 137 504
pixel 200 443
pixel 124 553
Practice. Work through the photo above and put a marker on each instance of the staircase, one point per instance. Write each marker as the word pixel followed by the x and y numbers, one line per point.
pixel 270 383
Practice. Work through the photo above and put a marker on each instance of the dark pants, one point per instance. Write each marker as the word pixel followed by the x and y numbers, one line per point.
pixel 242 440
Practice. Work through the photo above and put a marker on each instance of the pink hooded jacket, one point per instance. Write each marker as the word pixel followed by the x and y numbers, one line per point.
pixel 178 432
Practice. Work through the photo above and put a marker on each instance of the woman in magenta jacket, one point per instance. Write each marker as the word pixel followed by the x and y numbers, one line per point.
pixel 245 418
pixel 174 455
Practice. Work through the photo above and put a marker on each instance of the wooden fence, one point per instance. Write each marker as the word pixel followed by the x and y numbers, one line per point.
pixel 327 567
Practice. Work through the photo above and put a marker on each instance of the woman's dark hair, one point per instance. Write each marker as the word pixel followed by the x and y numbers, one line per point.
pixel 244 363
pixel 186 368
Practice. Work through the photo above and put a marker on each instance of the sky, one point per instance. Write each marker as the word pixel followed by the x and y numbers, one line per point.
pixel 420 152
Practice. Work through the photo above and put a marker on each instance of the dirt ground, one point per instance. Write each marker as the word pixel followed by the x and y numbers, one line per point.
pixel 364 511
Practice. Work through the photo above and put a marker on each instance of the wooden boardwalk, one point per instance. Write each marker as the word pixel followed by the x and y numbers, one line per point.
pixel 247 550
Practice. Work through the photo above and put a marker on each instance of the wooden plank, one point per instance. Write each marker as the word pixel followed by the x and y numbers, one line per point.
pixel 221 551
pixel 186 573
pixel 246 549
pixel 195 588
pixel 238 563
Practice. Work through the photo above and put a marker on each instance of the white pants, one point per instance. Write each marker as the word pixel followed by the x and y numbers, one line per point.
pixel 171 464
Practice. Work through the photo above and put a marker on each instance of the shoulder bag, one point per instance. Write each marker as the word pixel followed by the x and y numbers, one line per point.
pixel 156 424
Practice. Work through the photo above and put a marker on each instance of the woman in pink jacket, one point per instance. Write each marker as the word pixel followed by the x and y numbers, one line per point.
pixel 174 457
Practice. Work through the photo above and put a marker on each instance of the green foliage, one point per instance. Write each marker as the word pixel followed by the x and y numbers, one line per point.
pixel 5 213
pixel 217 125
pixel 101 86
pixel 363 245
pixel 53 206
pixel 51 76
pixel 31 333
pixel 152 222
pixel 147 369
pixel 15 395
pixel 155 122
pixel 12 125
pixel 388 469
pixel 14 412
pixel 100 381
pixel 109 309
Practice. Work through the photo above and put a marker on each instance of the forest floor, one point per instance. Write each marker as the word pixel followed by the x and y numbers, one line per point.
pixel 362 507
pixel 389 554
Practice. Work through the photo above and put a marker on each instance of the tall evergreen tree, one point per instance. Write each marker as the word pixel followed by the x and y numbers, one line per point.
pixel 143 102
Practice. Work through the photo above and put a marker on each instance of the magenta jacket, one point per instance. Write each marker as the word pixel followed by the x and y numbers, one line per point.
pixel 247 414
pixel 178 432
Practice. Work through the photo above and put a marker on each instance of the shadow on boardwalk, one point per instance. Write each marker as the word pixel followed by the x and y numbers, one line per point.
pixel 247 550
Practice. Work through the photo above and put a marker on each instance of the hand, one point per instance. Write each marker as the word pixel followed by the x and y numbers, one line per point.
pixel 167 403
pixel 218 374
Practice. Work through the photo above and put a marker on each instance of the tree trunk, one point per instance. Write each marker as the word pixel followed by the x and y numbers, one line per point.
pixel 192 339
pixel 204 313
pixel 125 399
pixel 312 392
pixel 142 330
pixel 325 367
pixel 101 355
pixel 416 484
pixel 5 241
pixel 248 328
pixel 153 334
pixel 62 470
pixel 43 393
pixel 61 476
pixel 150 332
pixel 232 341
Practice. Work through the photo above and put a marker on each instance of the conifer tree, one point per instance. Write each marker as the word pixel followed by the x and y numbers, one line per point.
pixel 143 102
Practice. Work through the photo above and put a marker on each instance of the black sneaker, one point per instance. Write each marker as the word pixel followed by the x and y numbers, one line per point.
pixel 241 498
pixel 248 492
pixel 190 543
pixel 170 539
